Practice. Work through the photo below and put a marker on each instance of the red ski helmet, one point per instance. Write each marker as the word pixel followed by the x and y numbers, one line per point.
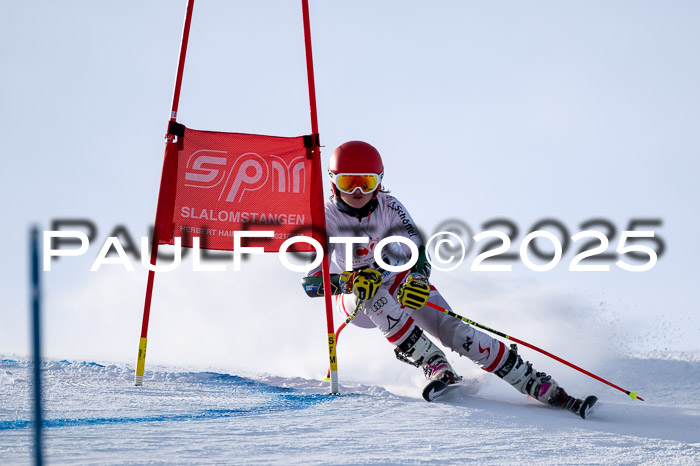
pixel 355 157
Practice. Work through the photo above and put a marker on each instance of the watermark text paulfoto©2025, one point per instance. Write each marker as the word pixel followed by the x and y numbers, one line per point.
pixel 446 249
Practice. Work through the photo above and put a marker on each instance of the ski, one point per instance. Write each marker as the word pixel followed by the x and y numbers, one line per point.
pixel 436 389
pixel 580 407
pixel 585 406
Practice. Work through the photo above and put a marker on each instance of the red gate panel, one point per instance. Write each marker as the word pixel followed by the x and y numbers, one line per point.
pixel 217 183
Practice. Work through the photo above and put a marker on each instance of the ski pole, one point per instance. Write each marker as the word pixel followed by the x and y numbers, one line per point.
pixel 340 329
pixel 632 395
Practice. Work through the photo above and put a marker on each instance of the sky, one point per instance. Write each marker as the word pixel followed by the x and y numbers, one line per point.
pixel 572 111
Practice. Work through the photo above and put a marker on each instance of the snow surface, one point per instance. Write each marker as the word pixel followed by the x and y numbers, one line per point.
pixel 94 414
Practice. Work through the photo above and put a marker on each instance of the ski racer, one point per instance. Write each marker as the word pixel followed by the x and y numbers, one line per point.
pixel 395 302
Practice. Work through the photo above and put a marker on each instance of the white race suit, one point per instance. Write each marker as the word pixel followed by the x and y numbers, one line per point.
pixel 390 218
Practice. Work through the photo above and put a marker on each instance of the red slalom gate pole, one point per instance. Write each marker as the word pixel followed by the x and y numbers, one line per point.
pixel 169 140
pixel 337 337
pixel 340 329
pixel 317 203
pixel 632 395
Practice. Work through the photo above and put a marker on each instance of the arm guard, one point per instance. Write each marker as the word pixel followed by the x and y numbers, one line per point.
pixel 422 266
pixel 313 285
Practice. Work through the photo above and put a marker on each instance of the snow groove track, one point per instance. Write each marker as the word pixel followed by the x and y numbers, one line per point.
pixel 287 402
pixel 218 389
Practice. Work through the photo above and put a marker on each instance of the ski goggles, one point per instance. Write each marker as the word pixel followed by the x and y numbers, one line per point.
pixel 350 182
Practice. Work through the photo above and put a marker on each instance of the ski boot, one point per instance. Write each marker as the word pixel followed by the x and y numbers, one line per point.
pixel 525 379
pixel 419 351
pixel 540 386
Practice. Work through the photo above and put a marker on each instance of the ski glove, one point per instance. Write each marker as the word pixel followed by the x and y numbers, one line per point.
pixel 363 283
pixel 414 292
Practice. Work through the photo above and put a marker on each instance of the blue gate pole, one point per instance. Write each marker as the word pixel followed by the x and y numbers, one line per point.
pixel 36 344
